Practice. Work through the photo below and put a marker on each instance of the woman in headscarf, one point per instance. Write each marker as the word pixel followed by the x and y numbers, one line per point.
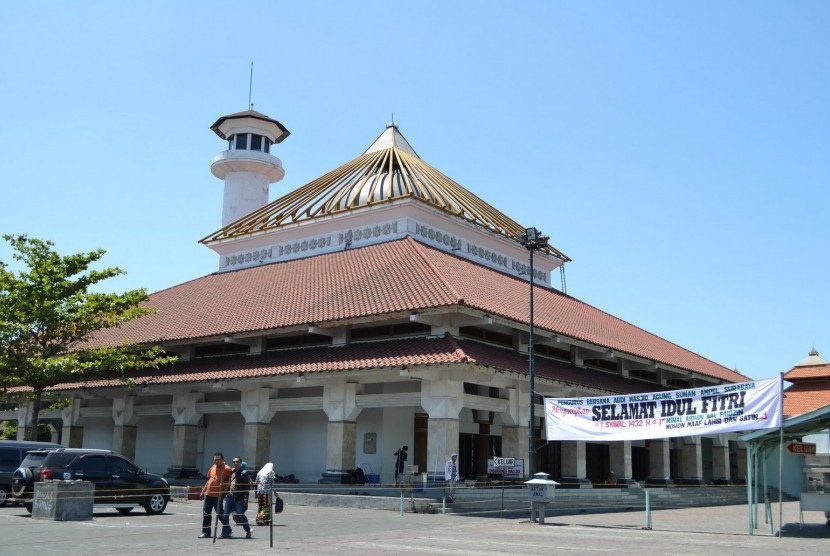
pixel 264 487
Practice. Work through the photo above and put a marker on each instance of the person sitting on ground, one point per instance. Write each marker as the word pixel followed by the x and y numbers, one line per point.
pixel 359 476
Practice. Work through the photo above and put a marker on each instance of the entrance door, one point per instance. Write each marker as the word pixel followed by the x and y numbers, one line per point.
pixel 420 443
pixel 597 462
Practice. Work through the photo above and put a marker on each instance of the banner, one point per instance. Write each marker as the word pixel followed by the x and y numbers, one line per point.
pixel 711 410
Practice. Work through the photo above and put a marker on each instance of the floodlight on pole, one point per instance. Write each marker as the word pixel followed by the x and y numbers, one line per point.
pixel 532 240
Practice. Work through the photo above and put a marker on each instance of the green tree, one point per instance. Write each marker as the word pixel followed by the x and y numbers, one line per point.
pixel 48 317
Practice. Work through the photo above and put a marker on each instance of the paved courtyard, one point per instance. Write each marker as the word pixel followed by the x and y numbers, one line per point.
pixel 317 530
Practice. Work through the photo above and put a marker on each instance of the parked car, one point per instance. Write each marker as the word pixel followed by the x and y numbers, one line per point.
pixel 118 482
pixel 12 453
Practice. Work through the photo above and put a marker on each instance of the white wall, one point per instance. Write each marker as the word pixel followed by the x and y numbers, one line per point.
pixel 370 420
pixel 98 432
pixel 794 482
pixel 154 444
pixel 223 433
pixel 298 444
pixel 398 429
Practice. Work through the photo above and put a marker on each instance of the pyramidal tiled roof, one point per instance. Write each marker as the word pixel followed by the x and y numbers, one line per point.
pixel 390 170
pixel 811 385
pixel 812 366
pixel 397 277
pixel 802 397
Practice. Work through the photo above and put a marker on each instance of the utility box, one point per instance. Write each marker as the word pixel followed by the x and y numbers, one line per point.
pixel 539 493
pixel 63 500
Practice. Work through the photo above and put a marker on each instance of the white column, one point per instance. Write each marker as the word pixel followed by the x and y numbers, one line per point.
pixel 620 459
pixel 255 408
pixel 443 400
pixel 72 433
pixel 124 433
pixel 720 459
pixel 659 472
pixel 186 430
pixel 691 460
pixel 25 416
pixel 340 405
pixel 514 431
pixel 574 469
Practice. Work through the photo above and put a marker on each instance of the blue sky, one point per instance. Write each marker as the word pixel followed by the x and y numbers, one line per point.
pixel 676 151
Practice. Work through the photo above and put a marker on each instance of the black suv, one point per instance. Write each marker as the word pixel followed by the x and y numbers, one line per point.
pixel 12 453
pixel 118 483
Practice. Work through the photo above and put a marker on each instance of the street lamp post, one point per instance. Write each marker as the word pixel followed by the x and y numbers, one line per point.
pixel 532 240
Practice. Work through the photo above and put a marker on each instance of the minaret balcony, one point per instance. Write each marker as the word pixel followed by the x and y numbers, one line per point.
pixel 266 164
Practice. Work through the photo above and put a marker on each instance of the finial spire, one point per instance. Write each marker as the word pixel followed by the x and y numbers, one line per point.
pixel 251 87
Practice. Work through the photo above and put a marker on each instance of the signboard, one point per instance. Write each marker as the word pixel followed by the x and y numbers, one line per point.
pixel 506 467
pixel 801 448
pixel 695 411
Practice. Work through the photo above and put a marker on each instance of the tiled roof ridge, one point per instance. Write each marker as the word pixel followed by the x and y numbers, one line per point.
pixel 654 335
pixel 546 291
pixel 440 275
pixel 552 291
pixel 459 352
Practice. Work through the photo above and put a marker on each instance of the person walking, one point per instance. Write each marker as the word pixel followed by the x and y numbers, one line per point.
pixel 218 481
pixel 451 476
pixel 400 463
pixel 264 490
pixel 236 501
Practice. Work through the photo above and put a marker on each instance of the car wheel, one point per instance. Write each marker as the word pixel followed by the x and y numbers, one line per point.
pixel 4 496
pixel 124 510
pixel 21 481
pixel 28 506
pixel 155 504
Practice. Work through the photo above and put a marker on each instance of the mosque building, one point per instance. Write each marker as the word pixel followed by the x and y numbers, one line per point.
pixel 380 305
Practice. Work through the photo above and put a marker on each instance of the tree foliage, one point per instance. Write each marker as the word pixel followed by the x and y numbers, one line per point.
pixel 48 316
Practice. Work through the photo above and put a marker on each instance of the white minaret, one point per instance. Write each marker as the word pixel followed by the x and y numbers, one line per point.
pixel 248 167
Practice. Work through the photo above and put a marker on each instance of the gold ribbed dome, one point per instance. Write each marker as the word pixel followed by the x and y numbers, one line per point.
pixel 389 170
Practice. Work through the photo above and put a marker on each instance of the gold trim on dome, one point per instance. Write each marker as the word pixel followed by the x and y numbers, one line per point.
pixel 388 171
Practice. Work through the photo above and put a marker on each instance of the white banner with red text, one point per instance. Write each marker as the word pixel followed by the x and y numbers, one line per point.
pixel 711 410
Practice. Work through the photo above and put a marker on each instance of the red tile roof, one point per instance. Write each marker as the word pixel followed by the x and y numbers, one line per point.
pixel 411 352
pixel 806 396
pixel 403 277
pixel 798 373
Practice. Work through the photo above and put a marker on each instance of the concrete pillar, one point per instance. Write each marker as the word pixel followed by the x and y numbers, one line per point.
pixel 72 434
pixel 720 464
pixel 340 455
pixel 185 446
pixel 186 430
pixel 659 472
pixel 256 441
pixel 443 400
pixel 340 405
pixel 125 431
pixel 123 440
pixel 25 415
pixel 691 461
pixel 619 455
pixel 574 470
pixel 514 430
pixel 514 442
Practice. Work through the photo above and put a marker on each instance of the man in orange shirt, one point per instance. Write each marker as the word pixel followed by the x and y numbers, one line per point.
pixel 216 486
